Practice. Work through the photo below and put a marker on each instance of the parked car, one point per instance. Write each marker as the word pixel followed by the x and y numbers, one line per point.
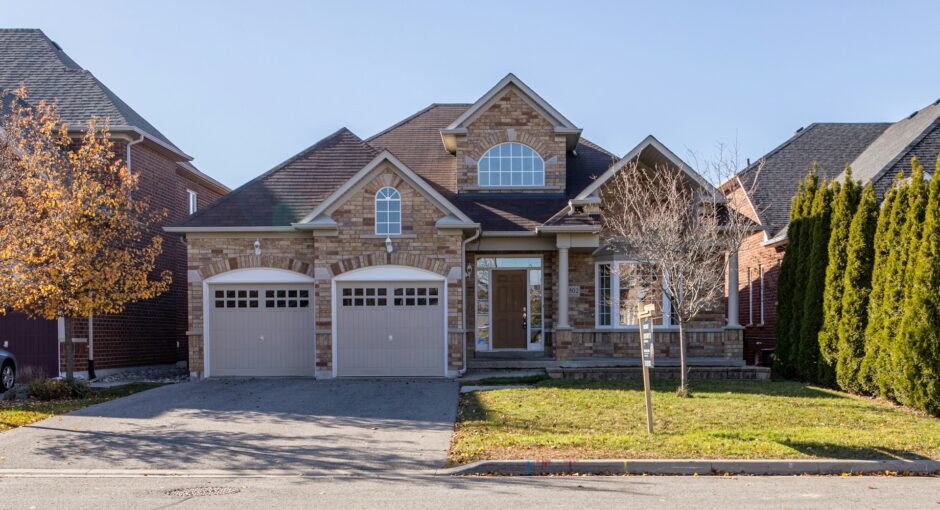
pixel 7 370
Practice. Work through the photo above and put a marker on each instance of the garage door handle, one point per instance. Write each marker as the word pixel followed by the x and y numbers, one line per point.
pixel 391 338
pixel 261 338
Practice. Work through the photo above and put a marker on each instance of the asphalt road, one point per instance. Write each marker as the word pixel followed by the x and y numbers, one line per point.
pixel 453 492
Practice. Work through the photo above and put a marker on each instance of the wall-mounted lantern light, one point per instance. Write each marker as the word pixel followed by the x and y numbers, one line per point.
pixel 388 244
pixel 257 246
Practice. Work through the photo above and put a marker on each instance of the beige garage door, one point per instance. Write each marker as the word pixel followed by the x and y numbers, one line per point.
pixel 261 330
pixel 390 329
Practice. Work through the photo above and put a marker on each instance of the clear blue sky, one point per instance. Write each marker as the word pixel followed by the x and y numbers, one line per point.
pixel 243 85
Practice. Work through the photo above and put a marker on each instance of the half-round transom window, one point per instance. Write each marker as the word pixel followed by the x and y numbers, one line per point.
pixel 511 164
pixel 388 212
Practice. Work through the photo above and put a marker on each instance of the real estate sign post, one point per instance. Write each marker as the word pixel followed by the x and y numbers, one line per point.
pixel 649 352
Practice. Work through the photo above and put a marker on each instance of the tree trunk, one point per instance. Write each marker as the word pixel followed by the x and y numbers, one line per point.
pixel 683 376
pixel 69 350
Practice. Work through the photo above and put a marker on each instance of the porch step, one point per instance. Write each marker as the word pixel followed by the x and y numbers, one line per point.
pixel 696 373
pixel 524 361
pixel 498 363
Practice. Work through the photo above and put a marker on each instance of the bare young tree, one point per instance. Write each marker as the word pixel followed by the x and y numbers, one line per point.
pixel 681 225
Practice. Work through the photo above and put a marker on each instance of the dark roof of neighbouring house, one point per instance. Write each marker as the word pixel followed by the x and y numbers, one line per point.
pixel 831 146
pixel 917 135
pixel 28 57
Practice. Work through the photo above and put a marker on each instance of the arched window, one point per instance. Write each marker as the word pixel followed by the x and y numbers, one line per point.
pixel 511 164
pixel 388 212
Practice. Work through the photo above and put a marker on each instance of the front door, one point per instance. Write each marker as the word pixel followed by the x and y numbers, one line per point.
pixel 509 309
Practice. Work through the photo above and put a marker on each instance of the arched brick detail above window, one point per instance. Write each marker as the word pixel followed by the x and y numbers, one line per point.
pixel 257 261
pixel 395 258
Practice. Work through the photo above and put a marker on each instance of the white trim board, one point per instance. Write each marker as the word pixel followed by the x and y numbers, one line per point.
pixel 630 157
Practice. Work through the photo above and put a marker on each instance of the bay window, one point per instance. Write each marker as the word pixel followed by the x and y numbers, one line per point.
pixel 623 287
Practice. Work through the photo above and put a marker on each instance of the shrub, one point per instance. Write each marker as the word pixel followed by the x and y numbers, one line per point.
pixel 58 389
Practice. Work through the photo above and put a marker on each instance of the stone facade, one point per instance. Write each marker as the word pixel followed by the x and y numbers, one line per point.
pixel 353 245
pixel 510 119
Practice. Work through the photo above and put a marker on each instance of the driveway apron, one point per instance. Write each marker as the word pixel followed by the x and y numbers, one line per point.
pixel 303 424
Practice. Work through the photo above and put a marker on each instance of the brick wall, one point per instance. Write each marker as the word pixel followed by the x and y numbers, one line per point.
pixel 753 294
pixel 510 119
pixel 154 331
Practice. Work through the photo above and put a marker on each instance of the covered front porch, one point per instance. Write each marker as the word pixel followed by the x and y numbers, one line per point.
pixel 551 307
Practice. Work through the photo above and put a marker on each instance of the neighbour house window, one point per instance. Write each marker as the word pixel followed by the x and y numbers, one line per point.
pixel 750 296
pixel 388 212
pixel 511 164
pixel 760 270
pixel 622 288
pixel 192 198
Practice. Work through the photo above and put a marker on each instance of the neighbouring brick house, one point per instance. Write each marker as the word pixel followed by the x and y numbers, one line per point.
pixel 463 231
pixel 876 152
pixel 147 333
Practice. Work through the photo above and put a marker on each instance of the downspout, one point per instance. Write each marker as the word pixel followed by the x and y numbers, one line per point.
pixel 91 318
pixel 463 286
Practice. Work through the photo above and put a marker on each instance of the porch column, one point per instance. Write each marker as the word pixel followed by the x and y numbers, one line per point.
pixel 562 288
pixel 733 290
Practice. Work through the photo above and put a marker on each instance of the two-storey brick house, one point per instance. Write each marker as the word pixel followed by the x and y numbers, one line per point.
pixel 876 152
pixel 152 332
pixel 463 230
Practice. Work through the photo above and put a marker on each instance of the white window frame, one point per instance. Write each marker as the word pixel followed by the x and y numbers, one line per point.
pixel 192 200
pixel 666 322
pixel 750 296
pixel 498 157
pixel 395 198
pixel 760 269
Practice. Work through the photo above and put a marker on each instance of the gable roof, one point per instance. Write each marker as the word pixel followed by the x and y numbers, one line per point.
pixel 416 142
pixel 357 180
pixel 831 146
pixel 28 57
pixel 286 193
pixel 648 143
pixel 563 126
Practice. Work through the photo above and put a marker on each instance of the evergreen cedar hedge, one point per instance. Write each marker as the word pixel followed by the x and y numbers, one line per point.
pixel 859 289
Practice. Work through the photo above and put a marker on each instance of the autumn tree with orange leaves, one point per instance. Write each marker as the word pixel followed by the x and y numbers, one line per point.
pixel 73 239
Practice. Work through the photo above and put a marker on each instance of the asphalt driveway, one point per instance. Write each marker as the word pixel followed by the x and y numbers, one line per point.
pixel 328 425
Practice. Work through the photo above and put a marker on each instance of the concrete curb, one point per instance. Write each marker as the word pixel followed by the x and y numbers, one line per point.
pixel 693 467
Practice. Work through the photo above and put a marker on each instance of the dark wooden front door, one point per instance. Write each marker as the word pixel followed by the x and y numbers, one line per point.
pixel 509 309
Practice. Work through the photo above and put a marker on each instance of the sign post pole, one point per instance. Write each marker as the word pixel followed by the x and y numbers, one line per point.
pixel 648 350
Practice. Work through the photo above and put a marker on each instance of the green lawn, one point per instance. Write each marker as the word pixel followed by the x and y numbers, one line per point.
pixel 724 419
pixel 18 413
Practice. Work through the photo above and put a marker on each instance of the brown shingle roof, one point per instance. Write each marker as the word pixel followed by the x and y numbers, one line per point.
pixel 417 143
pixel 287 192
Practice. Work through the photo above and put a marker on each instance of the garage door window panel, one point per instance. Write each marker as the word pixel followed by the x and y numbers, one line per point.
pixel 236 298
pixel 287 298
